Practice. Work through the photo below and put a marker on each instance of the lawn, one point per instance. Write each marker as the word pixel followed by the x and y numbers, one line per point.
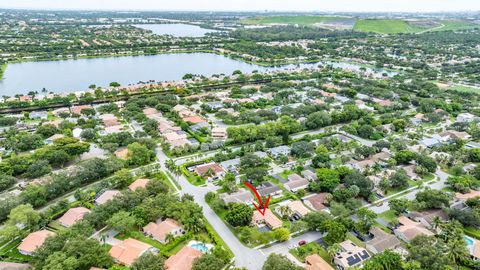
pixel 355 240
pixel 455 25
pixel 388 216
pixel 10 251
pixel 311 248
pixel 386 26
pixel 472 232
pixel 465 89
pixel 300 20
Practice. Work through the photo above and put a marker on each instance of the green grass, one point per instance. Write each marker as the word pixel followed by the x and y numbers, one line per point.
pixel 10 251
pixel 465 89
pixel 311 248
pixel 388 216
pixel 386 26
pixel 455 25
pixel 300 20
pixel 472 232
pixel 3 67
pixel 355 240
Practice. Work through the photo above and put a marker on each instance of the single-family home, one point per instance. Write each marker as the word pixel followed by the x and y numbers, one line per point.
pixel 309 175
pixel 211 171
pixel 106 196
pixel 315 262
pixel 241 196
pixel 279 150
pixel 427 217
pixel 72 216
pixel 78 109
pixel 350 255
pixel 161 230
pixel 410 229
pixel 219 133
pixel 33 241
pixel 316 201
pixel 272 221
pixel 381 241
pixel 269 189
pixel 194 119
pixel 38 115
pixel 465 196
pixel 122 153
pixel 298 209
pixel 472 145
pixel 128 250
pixel 296 183
pixel 50 140
pixel 465 118
pixel 139 183
pixel 183 260
pixel 231 165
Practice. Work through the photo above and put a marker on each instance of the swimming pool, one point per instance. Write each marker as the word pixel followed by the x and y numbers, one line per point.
pixel 204 248
pixel 468 240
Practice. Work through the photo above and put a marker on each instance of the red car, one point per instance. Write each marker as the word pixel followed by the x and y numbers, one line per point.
pixel 302 242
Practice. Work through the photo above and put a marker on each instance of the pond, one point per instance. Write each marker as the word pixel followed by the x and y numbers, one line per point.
pixel 77 74
pixel 176 29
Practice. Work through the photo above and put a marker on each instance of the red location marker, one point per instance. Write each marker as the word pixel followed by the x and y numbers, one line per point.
pixel 260 207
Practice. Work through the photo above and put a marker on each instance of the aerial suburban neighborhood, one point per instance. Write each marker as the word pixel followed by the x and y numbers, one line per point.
pixel 152 140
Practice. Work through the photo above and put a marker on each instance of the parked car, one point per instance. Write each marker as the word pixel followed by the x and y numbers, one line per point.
pixel 302 242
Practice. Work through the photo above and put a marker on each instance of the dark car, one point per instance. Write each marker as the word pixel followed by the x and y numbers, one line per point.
pixel 302 242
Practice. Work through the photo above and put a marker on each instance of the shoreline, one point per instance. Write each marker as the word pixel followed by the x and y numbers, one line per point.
pixel 3 67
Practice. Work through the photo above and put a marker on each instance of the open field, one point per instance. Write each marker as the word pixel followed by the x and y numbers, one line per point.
pixel 455 25
pixel 464 88
pixel 386 26
pixel 302 20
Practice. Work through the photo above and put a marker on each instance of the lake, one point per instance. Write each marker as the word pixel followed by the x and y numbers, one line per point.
pixel 176 29
pixel 77 74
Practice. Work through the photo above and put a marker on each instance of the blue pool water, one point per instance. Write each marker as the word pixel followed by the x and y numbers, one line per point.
pixel 200 247
pixel 468 240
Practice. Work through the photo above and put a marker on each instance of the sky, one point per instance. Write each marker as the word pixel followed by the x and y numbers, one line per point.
pixel 251 5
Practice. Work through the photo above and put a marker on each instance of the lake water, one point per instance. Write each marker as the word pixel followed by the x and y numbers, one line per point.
pixel 74 75
pixel 176 29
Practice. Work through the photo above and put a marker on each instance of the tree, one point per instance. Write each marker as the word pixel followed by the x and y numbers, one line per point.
pixel 301 149
pixel 281 234
pixel 38 168
pixel 279 262
pixel 122 178
pixel 365 185
pixel 462 183
pixel 336 231
pixel 399 205
pixel 474 155
pixel 318 119
pixel 228 183
pixel 46 130
pixel 387 260
pixel 6 181
pixel 405 156
pixel 239 214
pixel 366 219
pixel 60 261
pixel 432 199
pixel 208 262
pixel 122 222
pixel 429 252
pixel 88 134
pixel 316 219
pixel 328 180
pixel 114 84
pixel 399 179
pixel 138 154
pixel 148 261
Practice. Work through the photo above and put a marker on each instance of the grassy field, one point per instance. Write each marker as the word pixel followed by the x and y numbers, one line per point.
pixel 455 25
pixel 3 67
pixel 386 26
pixel 466 89
pixel 300 20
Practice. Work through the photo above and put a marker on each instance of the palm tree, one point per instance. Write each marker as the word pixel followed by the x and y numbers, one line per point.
pixel 437 221
pixel 285 211
pixel 457 251
pixel 332 250
pixel 169 237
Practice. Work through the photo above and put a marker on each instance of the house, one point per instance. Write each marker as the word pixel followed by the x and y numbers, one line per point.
pixel 410 170
pixel 50 140
pixel 472 145
pixel 231 165
pixel 315 262
pixel 150 111
pixel 14 266
pixel 465 196
pixel 309 175
pixel 427 218
pixel 122 153
pixel 78 109
pixel 139 183
pixel 269 189
pixel 219 133
pixel 272 221
pixel 33 241
pixel 296 185
pixel 350 255
pixel 38 115
pixel 473 247
pixel 453 134
pixel 194 119
pixel 215 105
pixel 183 260
pixel 161 229
pixel 127 251
pixel 381 241
pixel 433 141
pixel 298 209
pixel 410 229
pixel 316 201
pixel 72 216
pixel 465 118
pixel 106 196
pixel 294 177
pixel 60 111
pixel 199 126
pixel 279 151
pixel 111 130
pixel 210 170
pixel 241 196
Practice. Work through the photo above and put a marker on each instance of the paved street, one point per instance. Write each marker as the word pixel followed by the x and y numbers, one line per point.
pixel 244 257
